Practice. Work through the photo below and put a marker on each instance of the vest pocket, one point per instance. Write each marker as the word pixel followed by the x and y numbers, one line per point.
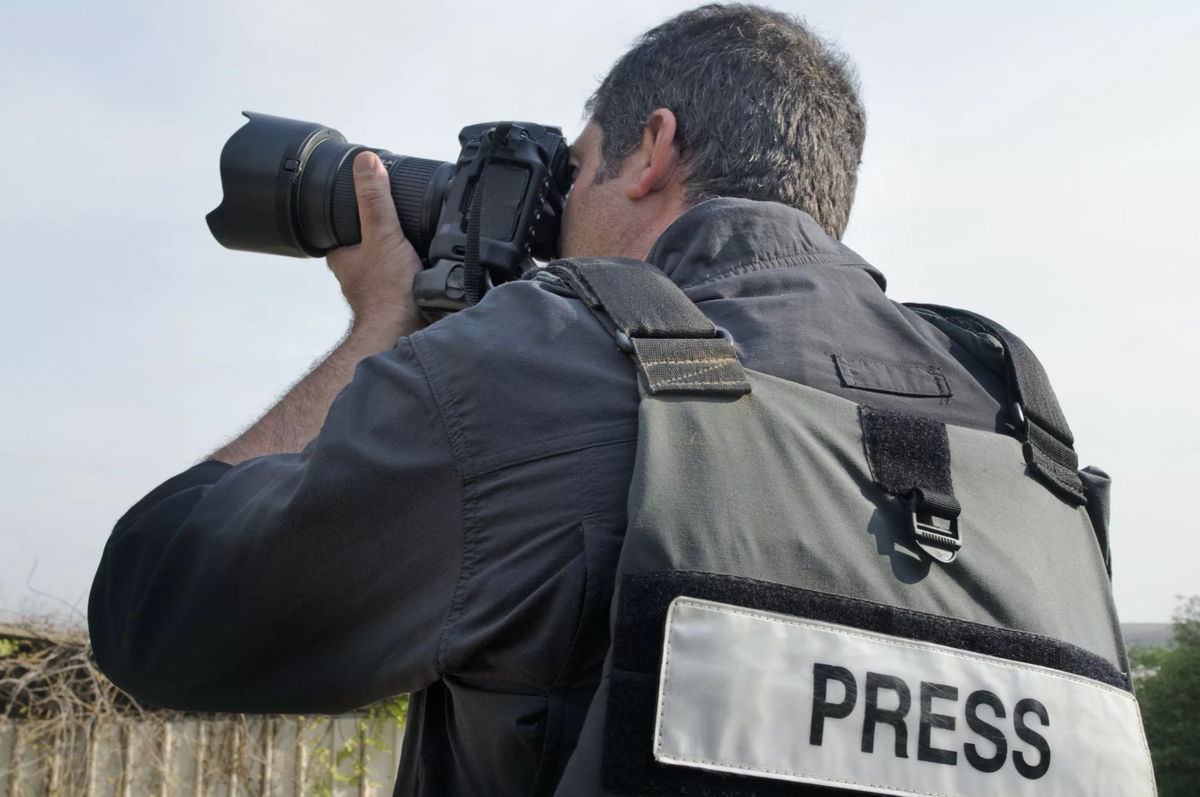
pixel 901 379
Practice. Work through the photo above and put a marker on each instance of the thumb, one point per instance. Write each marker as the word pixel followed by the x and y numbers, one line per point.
pixel 376 210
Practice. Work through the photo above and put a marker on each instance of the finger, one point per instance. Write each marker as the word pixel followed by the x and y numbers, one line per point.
pixel 376 210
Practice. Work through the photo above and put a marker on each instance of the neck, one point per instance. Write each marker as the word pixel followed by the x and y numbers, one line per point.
pixel 645 234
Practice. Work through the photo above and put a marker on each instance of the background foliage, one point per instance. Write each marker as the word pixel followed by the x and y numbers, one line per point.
pixel 1167 679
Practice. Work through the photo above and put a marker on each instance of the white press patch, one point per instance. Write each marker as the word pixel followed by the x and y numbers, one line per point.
pixel 773 696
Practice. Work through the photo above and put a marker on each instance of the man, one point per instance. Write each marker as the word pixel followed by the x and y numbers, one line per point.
pixel 440 511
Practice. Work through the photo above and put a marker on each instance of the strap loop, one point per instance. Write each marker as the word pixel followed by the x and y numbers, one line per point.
pixel 676 348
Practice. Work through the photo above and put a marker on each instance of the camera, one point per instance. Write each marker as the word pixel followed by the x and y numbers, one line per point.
pixel 480 221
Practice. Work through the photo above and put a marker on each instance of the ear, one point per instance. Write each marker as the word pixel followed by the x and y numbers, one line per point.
pixel 656 161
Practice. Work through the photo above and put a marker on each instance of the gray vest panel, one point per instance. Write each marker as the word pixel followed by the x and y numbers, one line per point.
pixel 775 486
pixel 753 491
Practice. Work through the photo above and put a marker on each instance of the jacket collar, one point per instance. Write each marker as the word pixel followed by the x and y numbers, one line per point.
pixel 722 237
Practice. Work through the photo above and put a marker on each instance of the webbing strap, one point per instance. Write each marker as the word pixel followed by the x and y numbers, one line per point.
pixel 676 348
pixel 1041 426
pixel 909 457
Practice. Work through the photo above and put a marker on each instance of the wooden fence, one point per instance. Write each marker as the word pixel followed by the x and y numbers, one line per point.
pixel 236 756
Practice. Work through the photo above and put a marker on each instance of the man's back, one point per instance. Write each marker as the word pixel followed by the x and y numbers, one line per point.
pixel 483 514
pixel 548 458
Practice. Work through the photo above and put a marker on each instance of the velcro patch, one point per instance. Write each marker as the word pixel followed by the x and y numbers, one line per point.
pixel 772 696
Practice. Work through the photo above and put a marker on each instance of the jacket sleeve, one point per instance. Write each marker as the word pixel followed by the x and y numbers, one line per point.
pixel 318 581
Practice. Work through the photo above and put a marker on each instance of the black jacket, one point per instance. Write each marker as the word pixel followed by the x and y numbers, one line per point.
pixel 454 528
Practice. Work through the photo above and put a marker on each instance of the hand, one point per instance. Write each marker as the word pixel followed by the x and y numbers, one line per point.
pixel 376 275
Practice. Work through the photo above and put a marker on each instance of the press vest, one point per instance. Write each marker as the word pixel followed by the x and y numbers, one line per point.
pixel 816 594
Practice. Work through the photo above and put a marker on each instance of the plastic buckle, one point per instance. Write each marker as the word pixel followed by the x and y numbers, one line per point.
pixel 938 536
pixel 1017 412
pixel 623 342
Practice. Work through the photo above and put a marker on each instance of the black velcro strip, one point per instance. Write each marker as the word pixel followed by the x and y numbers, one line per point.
pixel 909 452
pixel 628 765
pixel 645 597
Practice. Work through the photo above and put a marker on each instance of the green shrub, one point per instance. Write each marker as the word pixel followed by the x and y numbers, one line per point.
pixel 1167 682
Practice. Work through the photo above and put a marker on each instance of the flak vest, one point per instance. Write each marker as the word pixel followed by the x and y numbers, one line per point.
pixel 820 597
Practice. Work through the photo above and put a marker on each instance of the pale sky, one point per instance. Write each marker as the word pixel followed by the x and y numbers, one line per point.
pixel 1036 162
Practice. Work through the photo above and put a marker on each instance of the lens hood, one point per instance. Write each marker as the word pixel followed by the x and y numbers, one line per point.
pixel 260 171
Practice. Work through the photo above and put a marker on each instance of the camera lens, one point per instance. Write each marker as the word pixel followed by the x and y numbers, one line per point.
pixel 418 187
pixel 289 190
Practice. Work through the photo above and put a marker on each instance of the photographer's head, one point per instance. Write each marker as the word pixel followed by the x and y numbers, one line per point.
pixel 735 101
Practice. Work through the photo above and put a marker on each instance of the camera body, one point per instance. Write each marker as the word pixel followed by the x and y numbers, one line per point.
pixel 478 222
pixel 503 209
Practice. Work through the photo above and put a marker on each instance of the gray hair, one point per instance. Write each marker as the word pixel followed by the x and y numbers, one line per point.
pixel 764 109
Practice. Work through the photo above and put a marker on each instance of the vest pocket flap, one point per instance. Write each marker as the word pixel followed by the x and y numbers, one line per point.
pixel 903 379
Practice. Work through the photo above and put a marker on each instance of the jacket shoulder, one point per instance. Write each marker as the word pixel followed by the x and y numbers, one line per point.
pixel 527 373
